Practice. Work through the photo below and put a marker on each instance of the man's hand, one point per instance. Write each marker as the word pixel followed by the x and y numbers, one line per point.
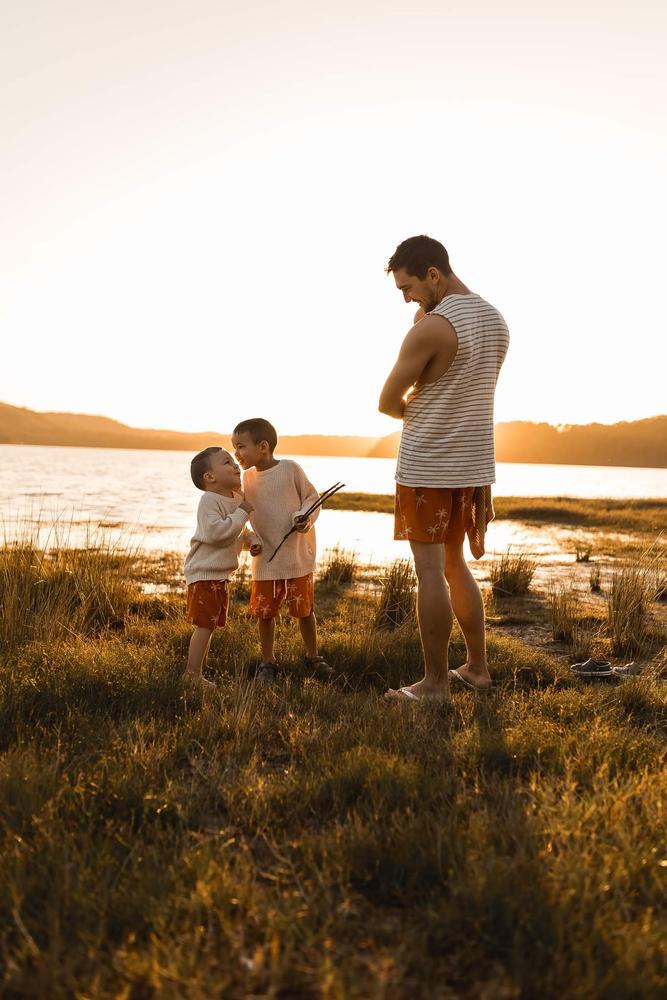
pixel 256 548
pixel 246 506
pixel 302 523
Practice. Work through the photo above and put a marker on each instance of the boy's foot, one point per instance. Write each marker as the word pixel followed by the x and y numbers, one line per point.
pixel 266 672
pixel 200 683
pixel 319 667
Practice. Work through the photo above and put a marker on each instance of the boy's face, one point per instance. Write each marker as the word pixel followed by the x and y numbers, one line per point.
pixel 223 473
pixel 248 453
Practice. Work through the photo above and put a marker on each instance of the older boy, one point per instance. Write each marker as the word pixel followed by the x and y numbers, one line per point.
pixel 214 551
pixel 280 493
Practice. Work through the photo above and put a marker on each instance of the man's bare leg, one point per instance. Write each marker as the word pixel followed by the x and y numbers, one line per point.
pixel 469 610
pixel 434 615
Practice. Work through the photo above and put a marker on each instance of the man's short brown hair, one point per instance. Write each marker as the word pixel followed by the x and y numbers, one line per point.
pixel 416 254
pixel 200 464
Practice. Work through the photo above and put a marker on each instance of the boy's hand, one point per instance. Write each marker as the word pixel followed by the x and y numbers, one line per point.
pixel 301 523
pixel 246 506
pixel 255 548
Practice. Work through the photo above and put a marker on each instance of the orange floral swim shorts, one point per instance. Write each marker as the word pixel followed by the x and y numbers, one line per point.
pixel 208 601
pixel 266 596
pixel 443 514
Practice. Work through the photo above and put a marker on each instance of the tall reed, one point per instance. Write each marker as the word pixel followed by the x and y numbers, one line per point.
pixel 511 574
pixel 397 596
pixel 630 592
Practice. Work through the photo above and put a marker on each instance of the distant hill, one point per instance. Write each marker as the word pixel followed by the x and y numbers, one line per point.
pixel 640 443
pixel 636 443
pixel 21 426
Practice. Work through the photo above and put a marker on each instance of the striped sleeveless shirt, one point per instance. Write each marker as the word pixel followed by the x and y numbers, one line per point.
pixel 447 437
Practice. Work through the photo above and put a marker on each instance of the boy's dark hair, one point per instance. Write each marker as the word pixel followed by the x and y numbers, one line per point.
pixel 259 429
pixel 200 464
pixel 417 254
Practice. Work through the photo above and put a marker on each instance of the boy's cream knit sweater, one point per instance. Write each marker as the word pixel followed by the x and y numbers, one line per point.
pixel 218 538
pixel 278 496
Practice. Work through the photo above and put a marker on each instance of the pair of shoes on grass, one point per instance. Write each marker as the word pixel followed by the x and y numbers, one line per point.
pixel 603 668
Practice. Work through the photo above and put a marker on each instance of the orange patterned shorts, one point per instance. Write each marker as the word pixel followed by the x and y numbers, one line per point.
pixel 266 596
pixel 433 514
pixel 207 603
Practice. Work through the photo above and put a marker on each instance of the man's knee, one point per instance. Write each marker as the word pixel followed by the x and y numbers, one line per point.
pixel 454 557
pixel 429 559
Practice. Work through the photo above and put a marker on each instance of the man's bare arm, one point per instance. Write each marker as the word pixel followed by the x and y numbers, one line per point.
pixel 418 348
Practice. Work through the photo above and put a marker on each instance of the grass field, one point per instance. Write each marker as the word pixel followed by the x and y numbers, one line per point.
pixel 307 840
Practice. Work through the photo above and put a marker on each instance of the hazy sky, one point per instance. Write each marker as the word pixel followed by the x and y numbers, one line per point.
pixel 198 201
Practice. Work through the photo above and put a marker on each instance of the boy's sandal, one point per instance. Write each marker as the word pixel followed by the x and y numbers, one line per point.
pixel 592 668
pixel 265 672
pixel 319 666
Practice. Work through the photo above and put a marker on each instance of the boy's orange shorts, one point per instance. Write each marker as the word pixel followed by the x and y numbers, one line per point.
pixel 266 596
pixel 208 601
pixel 433 514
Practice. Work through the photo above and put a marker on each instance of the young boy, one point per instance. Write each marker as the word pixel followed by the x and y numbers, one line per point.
pixel 214 552
pixel 279 493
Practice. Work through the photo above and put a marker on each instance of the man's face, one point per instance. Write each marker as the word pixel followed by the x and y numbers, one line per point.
pixel 425 292
pixel 246 452
pixel 224 471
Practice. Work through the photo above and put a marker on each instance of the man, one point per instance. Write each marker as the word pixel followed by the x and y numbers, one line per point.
pixel 449 364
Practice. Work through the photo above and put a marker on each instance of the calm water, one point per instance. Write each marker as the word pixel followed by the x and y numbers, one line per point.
pixel 148 496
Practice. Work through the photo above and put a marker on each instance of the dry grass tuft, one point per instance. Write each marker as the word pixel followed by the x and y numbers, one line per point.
pixel 564 610
pixel 582 551
pixel 511 575
pixel 630 592
pixel 341 567
pixel 397 597
pixel 595 580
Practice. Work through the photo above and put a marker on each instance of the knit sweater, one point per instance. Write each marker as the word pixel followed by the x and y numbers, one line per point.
pixel 218 538
pixel 278 496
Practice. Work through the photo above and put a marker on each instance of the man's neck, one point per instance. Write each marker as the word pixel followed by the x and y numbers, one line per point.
pixel 452 286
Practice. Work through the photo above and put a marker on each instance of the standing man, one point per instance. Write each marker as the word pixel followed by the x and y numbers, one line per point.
pixel 449 364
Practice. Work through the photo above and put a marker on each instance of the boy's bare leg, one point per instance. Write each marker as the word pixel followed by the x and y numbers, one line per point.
pixel 308 629
pixel 468 607
pixel 434 615
pixel 267 631
pixel 197 653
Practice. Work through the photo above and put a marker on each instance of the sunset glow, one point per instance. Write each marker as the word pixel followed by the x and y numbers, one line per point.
pixel 199 201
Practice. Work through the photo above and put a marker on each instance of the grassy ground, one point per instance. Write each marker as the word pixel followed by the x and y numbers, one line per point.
pixel 313 841
pixel 616 515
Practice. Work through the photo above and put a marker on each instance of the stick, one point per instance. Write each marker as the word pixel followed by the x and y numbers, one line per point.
pixel 313 507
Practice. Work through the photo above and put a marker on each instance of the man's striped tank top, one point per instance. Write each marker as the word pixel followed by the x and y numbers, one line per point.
pixel 447 437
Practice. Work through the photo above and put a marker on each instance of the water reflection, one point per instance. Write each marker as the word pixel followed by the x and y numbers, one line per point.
pixel 370 535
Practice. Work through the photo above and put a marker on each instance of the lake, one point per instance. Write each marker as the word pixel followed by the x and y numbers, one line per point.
pixel 147 497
